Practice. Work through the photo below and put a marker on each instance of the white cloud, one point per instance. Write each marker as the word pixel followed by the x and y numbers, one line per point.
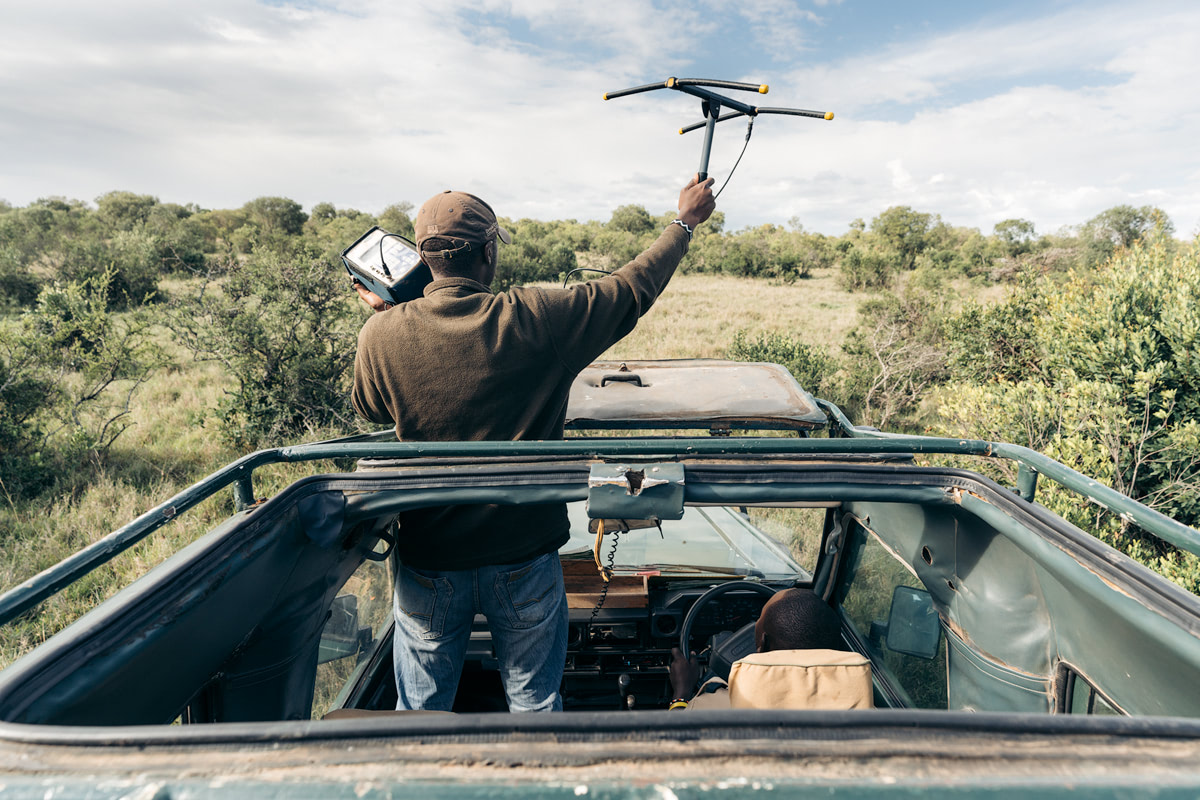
pixel 1057 155
pixel 369 103
pixel 781 27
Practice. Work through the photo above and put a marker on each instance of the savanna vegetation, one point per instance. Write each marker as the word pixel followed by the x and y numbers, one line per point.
pixel 144 344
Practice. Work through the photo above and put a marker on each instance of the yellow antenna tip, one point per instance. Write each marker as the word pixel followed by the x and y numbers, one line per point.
pixel 681 131
pixel 763 89
pixel 828 115
pixel 606 95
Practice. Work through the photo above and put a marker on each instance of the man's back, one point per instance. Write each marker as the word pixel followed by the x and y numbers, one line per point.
pixel 463 364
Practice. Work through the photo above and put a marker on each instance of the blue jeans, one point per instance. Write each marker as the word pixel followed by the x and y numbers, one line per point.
pixel 526 609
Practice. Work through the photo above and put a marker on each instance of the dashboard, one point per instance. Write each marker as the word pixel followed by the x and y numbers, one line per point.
pixel 618 656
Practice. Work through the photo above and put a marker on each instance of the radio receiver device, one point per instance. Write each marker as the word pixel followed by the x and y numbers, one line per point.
pixel 388 264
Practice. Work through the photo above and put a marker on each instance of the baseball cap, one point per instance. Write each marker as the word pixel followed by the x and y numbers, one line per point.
pixel 460 217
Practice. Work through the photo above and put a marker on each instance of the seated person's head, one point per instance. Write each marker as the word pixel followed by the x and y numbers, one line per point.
pixel 797 619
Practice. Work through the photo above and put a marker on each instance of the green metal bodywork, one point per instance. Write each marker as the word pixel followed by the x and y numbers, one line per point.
pixel 240 475
pixel 231 625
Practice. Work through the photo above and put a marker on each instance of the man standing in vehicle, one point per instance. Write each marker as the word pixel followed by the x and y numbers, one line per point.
pixel 464 364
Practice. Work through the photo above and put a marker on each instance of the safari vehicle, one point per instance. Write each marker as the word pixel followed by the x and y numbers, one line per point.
pixel 1008 650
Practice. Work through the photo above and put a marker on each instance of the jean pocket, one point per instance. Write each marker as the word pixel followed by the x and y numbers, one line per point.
pixel 423 602
pixel 531 593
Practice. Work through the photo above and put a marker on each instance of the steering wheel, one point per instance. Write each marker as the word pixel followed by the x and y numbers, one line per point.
pixel 731 648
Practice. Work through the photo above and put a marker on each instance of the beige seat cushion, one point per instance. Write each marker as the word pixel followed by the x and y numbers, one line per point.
pixel 712 696
pixel 798 679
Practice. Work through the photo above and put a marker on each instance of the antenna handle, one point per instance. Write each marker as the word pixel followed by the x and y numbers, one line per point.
pixel 649 87
pixel 678 83
pixel 794 112
pixel 761 88
pixel 797 112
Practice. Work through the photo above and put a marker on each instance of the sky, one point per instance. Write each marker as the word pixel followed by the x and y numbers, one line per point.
pixel 1049 111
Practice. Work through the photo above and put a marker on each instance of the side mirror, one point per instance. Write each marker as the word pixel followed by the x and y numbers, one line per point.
pixel 342 636
pixel 912 627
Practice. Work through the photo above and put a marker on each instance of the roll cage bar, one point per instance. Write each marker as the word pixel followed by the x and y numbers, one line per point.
pixel 845 439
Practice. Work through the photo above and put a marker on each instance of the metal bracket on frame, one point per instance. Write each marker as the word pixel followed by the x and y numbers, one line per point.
pixel 644 491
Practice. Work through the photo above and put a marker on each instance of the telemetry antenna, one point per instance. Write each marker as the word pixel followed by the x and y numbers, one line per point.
pixel 711 104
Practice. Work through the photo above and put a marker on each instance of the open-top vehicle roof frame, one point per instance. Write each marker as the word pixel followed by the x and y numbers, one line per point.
pixel 847 439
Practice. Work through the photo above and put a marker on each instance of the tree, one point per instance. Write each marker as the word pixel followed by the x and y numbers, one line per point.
pixel 1017 235
pixel 397 218
pixel 539 252
pixel 322 212
pixel 1119 228
pixel 124 211
pixel 863 268
pixel 904 230
pixel 18 286
pixel 713 226
pixel 276 215
pixel 632 219
pixel 1124 225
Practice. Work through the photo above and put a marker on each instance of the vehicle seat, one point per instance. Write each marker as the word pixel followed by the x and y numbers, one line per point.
pixel 801 679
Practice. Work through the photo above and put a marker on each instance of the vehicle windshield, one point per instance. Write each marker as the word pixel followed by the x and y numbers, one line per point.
pixel 763 542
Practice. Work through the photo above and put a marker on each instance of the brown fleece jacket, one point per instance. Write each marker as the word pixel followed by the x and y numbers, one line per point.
pixel 463 364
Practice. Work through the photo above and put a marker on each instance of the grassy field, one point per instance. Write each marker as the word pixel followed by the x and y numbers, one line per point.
pixel 698 314
pixel 174 442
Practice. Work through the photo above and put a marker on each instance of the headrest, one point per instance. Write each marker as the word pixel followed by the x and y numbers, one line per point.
pixel 799 679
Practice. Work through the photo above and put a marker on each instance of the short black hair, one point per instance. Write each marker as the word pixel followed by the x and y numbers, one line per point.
pixel 797 619
pixel 462 262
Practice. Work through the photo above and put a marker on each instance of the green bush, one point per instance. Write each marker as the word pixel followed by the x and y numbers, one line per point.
pixel 285 328
pixel 1102 373
pixel 811 365
pixel 129 260
pixel 767 251
pixel 18 286
pixel 68 371
pixel 26 389
pixel 999 341
pixel 1083 424
pixel 864 269
pixel 895 354
pixel 540 251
